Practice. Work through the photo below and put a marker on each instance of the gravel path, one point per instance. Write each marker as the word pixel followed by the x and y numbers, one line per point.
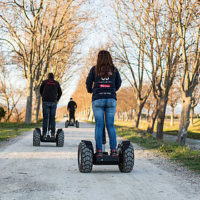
pixel 49 172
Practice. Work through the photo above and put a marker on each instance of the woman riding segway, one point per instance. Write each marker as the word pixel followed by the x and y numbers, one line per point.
pixel 103 81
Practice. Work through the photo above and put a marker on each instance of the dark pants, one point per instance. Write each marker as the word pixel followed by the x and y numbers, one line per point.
pixel 49 112
pixel 71 115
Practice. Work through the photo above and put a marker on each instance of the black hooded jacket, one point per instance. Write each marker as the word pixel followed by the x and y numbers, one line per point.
pixel 103 88
pixel 72 106
pixel 50 90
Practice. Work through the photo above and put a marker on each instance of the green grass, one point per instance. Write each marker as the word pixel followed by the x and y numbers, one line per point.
pixel 193 130
pixel 183 155
pixel 13 129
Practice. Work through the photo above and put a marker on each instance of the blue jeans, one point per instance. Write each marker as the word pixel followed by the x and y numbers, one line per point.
pixel 49 112
pixel 107 107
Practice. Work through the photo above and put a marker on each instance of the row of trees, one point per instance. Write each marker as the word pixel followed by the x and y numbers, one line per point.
pixel 160 38
pixel 42 37
pixel 156 45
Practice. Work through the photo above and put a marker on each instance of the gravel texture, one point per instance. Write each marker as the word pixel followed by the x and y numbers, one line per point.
pixel 50 172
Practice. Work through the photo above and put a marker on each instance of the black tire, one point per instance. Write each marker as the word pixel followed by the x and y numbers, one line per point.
pixel 60 138
pixel 66 124
pixel 36 137
pixel 77 124
pixel 126 159
pixel 85 158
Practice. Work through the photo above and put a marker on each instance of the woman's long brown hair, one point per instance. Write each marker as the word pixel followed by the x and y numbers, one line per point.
pixel 104 67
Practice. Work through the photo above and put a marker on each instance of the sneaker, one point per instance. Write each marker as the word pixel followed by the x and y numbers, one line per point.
pixel 99 153
pixel 113 153
pixel 52 134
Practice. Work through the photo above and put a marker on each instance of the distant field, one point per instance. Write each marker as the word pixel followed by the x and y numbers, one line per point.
pixel 13 129
pixel 193 131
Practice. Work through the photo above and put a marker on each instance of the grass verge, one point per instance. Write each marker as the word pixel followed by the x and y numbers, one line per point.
pixel 193 130
pixel 183 155
pixel 13 129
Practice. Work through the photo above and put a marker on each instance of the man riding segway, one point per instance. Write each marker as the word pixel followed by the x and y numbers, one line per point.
pixel 51 92
pixel 71 107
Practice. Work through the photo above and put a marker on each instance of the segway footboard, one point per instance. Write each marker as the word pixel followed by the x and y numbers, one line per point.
pixel 105 160
pixel 48 139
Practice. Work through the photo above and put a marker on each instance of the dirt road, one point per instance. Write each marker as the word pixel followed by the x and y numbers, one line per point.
pixel 48 172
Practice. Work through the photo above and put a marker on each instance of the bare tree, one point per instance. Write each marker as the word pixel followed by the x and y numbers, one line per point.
pixel 60 54
pixel 174 97
pixel 153 21
pixel 126 103
pixel 25 35
pixel 152 119
pixel 185 15
pixel 84 109
pixel 195 102
pixel 10 95
pixel 150 105
pixel 129 52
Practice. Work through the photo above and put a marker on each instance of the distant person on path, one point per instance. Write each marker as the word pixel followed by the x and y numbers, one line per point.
pixel 51 92
pixel 71 107
pixel 103 81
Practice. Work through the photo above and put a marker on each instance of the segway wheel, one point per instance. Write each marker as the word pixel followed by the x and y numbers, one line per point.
pixel 85 158
pixel 66 124
pixel 77 124
pixel 60 138
pixel 126 158
pixel 36 137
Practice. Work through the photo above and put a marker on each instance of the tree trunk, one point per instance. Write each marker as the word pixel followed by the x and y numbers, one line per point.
pixel 38 100
pixel 90 117
pixel 138 112
pixel 148 115
pixel 172 117
pixel 185 120
pixel 192 115
pixel 161 117
pixel 152 120
pixel 28 116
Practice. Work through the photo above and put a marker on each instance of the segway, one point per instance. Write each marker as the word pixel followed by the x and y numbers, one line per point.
pixel 72 123
pixel 38 137
pixel 87 158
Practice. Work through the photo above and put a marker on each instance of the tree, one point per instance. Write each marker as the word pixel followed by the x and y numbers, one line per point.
pixel 151 105
pixel 174 97
pixel 153 26
pixel 185 15
pixel 10 95
pixel 60 54
pixel 195 101
pixel 130 54
pixel 34 29
pixel 84 105
pixel 126 103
